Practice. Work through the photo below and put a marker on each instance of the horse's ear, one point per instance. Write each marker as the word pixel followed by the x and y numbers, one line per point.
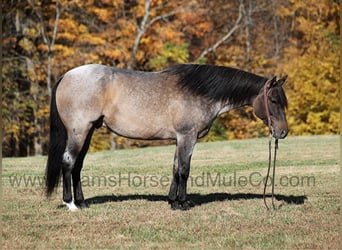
pixel 281 81
pixel 270 83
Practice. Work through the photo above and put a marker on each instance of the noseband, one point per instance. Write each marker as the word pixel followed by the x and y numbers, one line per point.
pixel 266 90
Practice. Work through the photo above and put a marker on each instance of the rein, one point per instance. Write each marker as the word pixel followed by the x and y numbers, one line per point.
pixel 269 149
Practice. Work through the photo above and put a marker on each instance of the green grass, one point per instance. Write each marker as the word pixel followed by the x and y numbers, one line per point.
pixel 229 213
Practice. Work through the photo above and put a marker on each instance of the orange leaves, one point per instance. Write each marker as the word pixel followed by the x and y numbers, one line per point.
pixel 114 54
pixel 69 29
pixel 126 29
pixel 91 39
pixel 103 15
pixel 64 51
pixel 196 23
pixel 298 38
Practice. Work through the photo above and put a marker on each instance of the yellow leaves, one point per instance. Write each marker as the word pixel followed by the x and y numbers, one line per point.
pixel 82 28
pixel 168 33
pixel 313 89
pixel 324 122
pixel 197 24
pixel 64 51
pixel 114 54
pixel 283 11
pixel 145 40
pixel 67 36
pixel 105 31
pixel 91 39
pixel 68 25
pixel 26 44
pixel 311 60
pixel 32 32
pixel 170 54
pixel 204 27
pixel 103 14
pixel 14 130
pixel 126 28
pixel 334 121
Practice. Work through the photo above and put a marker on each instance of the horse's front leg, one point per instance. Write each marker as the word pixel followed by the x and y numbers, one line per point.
pixel 175 183
pixel 181 170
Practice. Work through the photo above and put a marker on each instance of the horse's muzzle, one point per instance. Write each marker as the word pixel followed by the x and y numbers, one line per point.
pixel 279 133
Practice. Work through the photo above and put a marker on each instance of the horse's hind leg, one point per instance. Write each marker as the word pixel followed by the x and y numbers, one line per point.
pixel 181 170
pixel 76 173
pixel 73 159
pixel 69 161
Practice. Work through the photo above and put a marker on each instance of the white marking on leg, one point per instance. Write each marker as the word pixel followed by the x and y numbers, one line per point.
pixel 71 205
pixel 66 157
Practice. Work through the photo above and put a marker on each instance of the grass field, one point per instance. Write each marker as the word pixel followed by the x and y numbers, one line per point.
pixel 127 191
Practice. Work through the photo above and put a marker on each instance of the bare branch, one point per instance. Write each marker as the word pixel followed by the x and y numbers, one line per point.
pixel 144 25
pixel 141 31
pixel 49 43
pixel 50 46
pixel 165 16
pixel 248 25
pixel 227 36
pixel 55 27
pixel 41 20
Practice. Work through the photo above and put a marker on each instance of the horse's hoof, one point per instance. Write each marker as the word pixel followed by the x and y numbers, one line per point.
pixel 174 205
pixel 81 204
pixel 181 205
pixel 71 206
pixel 186 205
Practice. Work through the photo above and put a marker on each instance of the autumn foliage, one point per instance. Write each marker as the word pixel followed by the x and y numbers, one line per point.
pixel 44 39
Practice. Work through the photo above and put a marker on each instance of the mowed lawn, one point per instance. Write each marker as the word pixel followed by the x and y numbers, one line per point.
pixel 127 192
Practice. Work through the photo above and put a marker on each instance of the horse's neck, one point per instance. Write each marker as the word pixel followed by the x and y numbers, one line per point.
pixel 228 105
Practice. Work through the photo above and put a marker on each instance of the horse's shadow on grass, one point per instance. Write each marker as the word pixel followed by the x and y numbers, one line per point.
pixel 197 199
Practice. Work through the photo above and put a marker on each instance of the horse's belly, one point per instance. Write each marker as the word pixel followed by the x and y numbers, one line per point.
pixel 140 128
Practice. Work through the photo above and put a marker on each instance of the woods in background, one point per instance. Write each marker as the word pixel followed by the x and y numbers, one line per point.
pixel 44 39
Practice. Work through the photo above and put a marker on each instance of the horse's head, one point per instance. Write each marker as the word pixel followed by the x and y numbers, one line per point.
pixel 270 107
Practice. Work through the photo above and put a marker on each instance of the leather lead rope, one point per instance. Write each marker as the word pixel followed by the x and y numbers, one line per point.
pixel 269 168
pixel 269 149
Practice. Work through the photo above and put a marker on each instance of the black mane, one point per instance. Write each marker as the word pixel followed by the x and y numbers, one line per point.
pixel 217 82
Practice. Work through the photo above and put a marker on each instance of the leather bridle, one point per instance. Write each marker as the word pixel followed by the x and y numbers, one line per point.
pixel 268 115
pixel 267 87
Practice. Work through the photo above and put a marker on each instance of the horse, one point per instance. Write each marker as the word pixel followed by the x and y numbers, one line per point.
pixel 178 103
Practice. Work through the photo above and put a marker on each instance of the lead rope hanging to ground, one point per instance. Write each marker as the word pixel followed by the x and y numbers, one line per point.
pixel 269 167
pixel 266 89
pixel 268 170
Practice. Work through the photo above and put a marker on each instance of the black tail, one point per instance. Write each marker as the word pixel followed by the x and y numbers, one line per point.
pixel 58 139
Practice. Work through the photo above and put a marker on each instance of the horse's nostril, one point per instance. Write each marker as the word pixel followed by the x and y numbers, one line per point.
pixel 283 133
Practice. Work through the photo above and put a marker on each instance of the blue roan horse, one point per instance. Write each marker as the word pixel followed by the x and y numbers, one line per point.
pixel 180 103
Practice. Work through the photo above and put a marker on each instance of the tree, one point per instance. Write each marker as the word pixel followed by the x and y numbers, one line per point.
pixel 42 40
pixel 18 107
pixel 313 67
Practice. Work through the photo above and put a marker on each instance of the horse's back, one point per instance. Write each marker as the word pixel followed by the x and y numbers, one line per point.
pixel 133 103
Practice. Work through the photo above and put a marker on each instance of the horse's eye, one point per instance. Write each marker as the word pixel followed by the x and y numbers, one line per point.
pixel 273 100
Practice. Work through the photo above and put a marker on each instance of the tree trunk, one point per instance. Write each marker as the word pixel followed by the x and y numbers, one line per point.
pixel 248 24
